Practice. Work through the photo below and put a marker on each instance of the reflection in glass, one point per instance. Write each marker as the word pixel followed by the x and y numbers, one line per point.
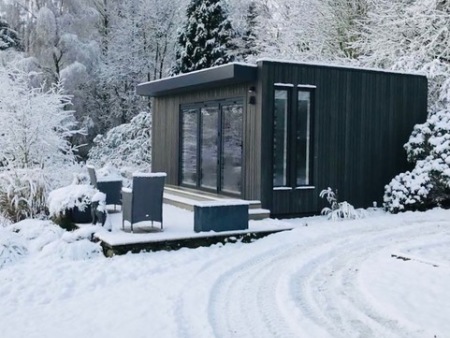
pixel 280 138
pixel 209 149
pixel 303 135
pixel 189 146
pixel 231 147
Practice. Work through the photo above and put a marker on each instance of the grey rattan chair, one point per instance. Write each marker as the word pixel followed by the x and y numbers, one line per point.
pixel 110 187
pixel 144 202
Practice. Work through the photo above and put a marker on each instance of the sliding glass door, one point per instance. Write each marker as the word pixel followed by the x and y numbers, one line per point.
pixel 231 163
pixel 211 146
pixel 189 146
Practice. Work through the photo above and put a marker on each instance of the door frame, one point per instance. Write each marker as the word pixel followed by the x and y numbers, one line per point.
pixel 197 106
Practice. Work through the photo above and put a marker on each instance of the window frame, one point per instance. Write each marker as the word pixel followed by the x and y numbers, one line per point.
pixel 291 137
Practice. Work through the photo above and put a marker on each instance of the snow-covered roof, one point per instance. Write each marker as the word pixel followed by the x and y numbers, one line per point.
pixel 335 65
pixel 228 74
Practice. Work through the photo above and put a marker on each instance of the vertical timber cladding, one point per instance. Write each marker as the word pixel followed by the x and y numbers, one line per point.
pixel 166 133
pixel 362 118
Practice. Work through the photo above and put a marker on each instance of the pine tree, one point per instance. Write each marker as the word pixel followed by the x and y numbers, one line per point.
pixel 8 37
pixel 206 39
pixel 249 38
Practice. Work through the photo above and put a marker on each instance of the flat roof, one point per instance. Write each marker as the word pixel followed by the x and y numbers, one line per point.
pixel 228 74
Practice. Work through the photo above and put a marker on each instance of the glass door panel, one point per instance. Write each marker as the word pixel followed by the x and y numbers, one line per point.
pixel 189 140
pixel 209 149
pixel 231 162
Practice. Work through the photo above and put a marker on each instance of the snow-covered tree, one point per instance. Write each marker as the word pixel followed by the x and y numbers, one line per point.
pixel 127 146
pixel 408 36
pixel 36 127
pixel 206 39
pixel 35 148
pixel 8 36
pixel 413 36
pixel 249 38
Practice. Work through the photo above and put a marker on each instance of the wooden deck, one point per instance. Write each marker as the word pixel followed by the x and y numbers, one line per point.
pixel 178 232
pixel 168 244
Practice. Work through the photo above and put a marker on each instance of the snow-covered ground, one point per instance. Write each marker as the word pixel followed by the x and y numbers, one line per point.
pixel 322 279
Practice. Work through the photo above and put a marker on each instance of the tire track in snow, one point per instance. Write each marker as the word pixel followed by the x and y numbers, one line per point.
pixel 330 296
pixel 302 287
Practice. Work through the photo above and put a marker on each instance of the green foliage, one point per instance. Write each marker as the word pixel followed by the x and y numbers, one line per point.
pixel 8 37
pixel 249 38
pixel 206 38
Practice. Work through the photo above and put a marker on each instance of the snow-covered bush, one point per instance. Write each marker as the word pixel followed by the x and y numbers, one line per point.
pixel 68 205
pixel 12 247
pixel 47 239
pixel 127 147
pixel 23 193
pixel 70 197
pixel 338 210
pixel 428 184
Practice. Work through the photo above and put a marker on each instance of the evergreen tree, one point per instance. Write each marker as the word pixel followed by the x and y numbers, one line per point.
pixel 8 37
pixel 249 38
pixel 206 39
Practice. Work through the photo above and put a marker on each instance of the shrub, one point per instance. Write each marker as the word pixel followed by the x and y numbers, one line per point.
pixel 428 184
pixel 62 201
pixel 338 210
pixel 23 193
pixel 127 146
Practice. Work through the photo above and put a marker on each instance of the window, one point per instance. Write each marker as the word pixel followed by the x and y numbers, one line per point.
pixel 292 136
pixel 303 137
pixel 280 123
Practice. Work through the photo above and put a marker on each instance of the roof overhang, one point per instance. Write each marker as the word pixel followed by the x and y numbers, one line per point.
pixel 229 74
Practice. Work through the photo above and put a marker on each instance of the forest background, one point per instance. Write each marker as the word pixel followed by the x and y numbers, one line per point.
pixel 91 54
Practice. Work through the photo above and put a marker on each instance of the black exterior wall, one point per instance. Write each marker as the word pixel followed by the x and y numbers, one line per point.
pixel 362 120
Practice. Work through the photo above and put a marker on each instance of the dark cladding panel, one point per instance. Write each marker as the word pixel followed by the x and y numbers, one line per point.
pixel 362 119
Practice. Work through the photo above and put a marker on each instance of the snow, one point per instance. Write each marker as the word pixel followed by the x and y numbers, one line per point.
pixel 150 174
pixel 68 197
pixel 325 279
pixel 334 65
pixel 222 202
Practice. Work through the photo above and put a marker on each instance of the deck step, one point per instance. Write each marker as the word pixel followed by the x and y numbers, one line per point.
pixel 187 199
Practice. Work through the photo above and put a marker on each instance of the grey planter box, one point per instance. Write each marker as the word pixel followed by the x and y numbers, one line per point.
pixel 220 216
pixel 78 216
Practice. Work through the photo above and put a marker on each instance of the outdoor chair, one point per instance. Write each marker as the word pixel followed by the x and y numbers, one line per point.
pixel 111 187
pixel 145 200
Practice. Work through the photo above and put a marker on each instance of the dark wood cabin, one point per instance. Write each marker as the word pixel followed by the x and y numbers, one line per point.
pixel 280 132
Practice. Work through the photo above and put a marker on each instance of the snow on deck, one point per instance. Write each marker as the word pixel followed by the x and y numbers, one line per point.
pixel 178 224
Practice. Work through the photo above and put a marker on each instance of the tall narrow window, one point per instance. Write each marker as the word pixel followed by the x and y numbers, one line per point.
pixel 303 137
pixel 293 136
pixel 280 144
